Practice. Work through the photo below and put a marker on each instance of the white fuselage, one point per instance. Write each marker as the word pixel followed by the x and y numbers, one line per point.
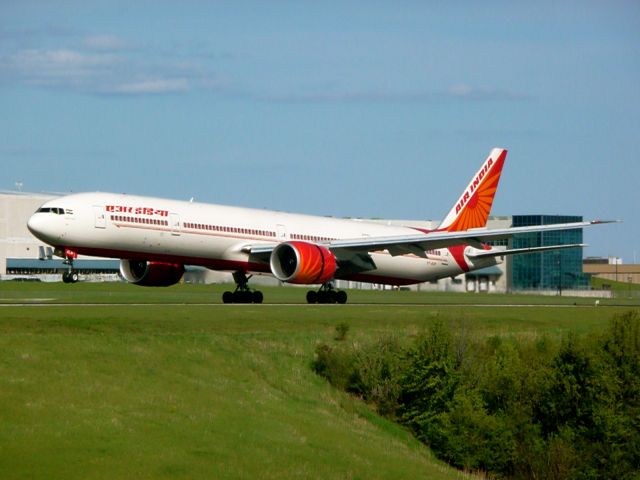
pixel 216 236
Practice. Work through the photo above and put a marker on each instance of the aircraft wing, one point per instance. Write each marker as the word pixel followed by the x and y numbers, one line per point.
pixel 429 241
pixel 418 244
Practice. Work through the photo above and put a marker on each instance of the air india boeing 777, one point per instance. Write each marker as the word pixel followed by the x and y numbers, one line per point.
pixel 155 238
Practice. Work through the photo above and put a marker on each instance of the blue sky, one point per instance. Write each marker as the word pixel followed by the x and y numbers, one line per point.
pixel 374 109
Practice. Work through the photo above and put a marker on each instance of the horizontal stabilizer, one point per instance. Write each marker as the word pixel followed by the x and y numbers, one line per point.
pixel 517 251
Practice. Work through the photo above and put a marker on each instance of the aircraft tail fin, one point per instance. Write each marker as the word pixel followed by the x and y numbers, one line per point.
pixel 474 205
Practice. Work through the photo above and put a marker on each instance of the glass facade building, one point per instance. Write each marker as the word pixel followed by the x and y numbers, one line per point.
pixel 559 269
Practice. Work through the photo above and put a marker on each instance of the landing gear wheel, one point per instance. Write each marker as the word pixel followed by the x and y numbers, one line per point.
pixel 331 296
pixel 240 296
pixel 256 296
pixel 242 293
pixel 327 294
pixel 70 277
pixel 324 297
pixel 341 297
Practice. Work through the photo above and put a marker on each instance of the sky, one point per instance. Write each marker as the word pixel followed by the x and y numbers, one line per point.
pixel 360 109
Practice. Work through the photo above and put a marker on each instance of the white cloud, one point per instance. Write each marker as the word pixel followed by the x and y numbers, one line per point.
pixel 349 96
pixel 105 42
pixel 467 92
pixel 104 65
pixel 39 64
pixel 151 85
pixel 460 90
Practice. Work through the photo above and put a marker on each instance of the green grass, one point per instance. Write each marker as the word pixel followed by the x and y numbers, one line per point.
pixel 184 390
pixel 190 294
pixel 619 288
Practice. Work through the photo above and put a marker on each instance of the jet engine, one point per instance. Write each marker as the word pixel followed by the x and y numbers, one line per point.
pixel 151 274
pixel 303 263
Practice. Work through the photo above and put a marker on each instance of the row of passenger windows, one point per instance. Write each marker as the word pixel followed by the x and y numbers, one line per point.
pixel 220 228
pixel 310 238
pixel 145 221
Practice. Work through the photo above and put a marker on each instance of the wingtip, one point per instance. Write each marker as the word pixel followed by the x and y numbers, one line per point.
pixel 598 222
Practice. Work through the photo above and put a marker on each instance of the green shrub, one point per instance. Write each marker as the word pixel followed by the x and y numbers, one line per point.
pixel 377 367
pixel 341 331
pixel 334 364
pixel 513 408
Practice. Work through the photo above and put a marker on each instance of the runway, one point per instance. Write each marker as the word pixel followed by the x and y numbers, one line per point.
pixel 52 303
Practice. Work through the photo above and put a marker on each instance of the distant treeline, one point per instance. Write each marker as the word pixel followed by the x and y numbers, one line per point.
pixel 513 408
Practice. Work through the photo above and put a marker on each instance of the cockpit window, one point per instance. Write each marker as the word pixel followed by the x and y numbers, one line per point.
pixel 57 211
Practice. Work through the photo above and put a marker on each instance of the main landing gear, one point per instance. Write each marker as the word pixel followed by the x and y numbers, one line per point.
pixel 70 276
pixel 327 294
pixel 242 293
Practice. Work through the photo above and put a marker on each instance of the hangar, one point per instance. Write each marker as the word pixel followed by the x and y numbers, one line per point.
pixel 23 255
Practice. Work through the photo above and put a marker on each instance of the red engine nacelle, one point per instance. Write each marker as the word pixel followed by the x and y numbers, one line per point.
pixel 302 262
pixel 151 274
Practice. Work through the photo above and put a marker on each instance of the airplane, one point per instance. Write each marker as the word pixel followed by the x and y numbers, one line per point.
pixel 155 238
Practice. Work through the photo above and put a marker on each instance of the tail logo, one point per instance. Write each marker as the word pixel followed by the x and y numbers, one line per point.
pixel 473 207
pixel 472 188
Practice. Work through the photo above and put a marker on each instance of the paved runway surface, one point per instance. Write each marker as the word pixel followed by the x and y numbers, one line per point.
pixel 36 302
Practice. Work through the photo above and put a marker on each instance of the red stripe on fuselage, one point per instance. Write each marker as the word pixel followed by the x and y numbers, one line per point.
pixel 457 252
pixel 212 263
pixel 423 230
pixel 228 265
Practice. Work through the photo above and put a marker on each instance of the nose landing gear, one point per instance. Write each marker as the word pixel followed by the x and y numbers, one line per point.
pixel 70 276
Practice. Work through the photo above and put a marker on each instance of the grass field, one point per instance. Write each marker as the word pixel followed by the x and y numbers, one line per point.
pixel 190 294
pixel 174 388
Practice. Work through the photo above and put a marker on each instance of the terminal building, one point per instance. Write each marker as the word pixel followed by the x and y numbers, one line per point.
pixel 23 256
pixel 548 270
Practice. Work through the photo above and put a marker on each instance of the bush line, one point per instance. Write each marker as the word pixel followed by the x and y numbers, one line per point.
pixel 513 408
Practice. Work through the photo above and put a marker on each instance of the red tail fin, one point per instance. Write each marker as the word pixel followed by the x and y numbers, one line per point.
pixel 473 207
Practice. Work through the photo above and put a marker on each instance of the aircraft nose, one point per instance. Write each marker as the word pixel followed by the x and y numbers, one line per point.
pixel 40 226
pixel 34 224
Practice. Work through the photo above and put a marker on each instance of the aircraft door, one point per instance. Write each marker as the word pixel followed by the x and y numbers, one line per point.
pixel 100 218
pixel 174 223
pixel 281 231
